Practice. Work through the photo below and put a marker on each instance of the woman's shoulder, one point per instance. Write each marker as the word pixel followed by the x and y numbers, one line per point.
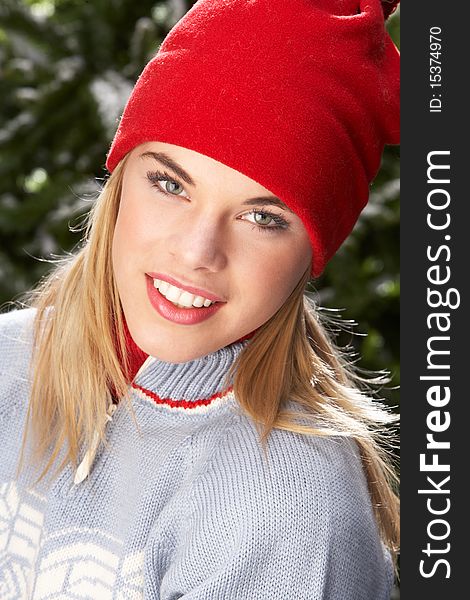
pixel 16 318
pixel 297 471
pixel 16 334
pixel 289 448
pixel 16 325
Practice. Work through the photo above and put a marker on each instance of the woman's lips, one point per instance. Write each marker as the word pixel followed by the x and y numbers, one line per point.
pixel 182 316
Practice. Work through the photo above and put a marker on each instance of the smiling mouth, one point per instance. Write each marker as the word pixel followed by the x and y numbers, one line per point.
pixel 181 298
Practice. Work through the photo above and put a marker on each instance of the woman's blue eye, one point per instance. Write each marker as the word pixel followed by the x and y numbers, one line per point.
pixel 262 218
pixel 172 186
pixel 268 221
pixel 165 184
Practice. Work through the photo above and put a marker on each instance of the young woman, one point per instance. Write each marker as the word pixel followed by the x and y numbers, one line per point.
pixel 182 424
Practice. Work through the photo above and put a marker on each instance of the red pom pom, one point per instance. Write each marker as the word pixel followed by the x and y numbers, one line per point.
pixel 389 6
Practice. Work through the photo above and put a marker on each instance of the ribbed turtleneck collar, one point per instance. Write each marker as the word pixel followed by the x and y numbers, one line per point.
pixel 190 386
pixel 195 384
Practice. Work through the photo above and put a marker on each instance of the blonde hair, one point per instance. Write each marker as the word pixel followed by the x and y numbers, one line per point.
pixel 79 360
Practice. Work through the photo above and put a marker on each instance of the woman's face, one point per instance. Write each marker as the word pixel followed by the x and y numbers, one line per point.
pixel 193 232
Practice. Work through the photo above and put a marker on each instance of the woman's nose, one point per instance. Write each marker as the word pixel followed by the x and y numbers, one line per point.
pixel 201 243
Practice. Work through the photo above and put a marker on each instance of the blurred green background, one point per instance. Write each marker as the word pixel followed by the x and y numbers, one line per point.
pixel 66 70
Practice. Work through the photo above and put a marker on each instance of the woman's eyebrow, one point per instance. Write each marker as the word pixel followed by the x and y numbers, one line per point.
pixel 170 163
pixel 265 200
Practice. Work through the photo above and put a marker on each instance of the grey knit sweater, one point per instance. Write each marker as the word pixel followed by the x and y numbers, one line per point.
pixel 187 506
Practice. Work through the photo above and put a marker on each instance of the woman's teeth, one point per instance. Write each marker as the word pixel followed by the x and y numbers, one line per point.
pixel 179 297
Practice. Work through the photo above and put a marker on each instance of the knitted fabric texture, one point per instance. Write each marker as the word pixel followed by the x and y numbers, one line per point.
pixel 187 506
pixel 300 96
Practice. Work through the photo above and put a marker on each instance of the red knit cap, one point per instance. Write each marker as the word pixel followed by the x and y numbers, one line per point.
pixel 299 95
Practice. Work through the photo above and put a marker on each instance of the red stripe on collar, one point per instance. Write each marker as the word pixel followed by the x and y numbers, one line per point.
pixel 181 403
